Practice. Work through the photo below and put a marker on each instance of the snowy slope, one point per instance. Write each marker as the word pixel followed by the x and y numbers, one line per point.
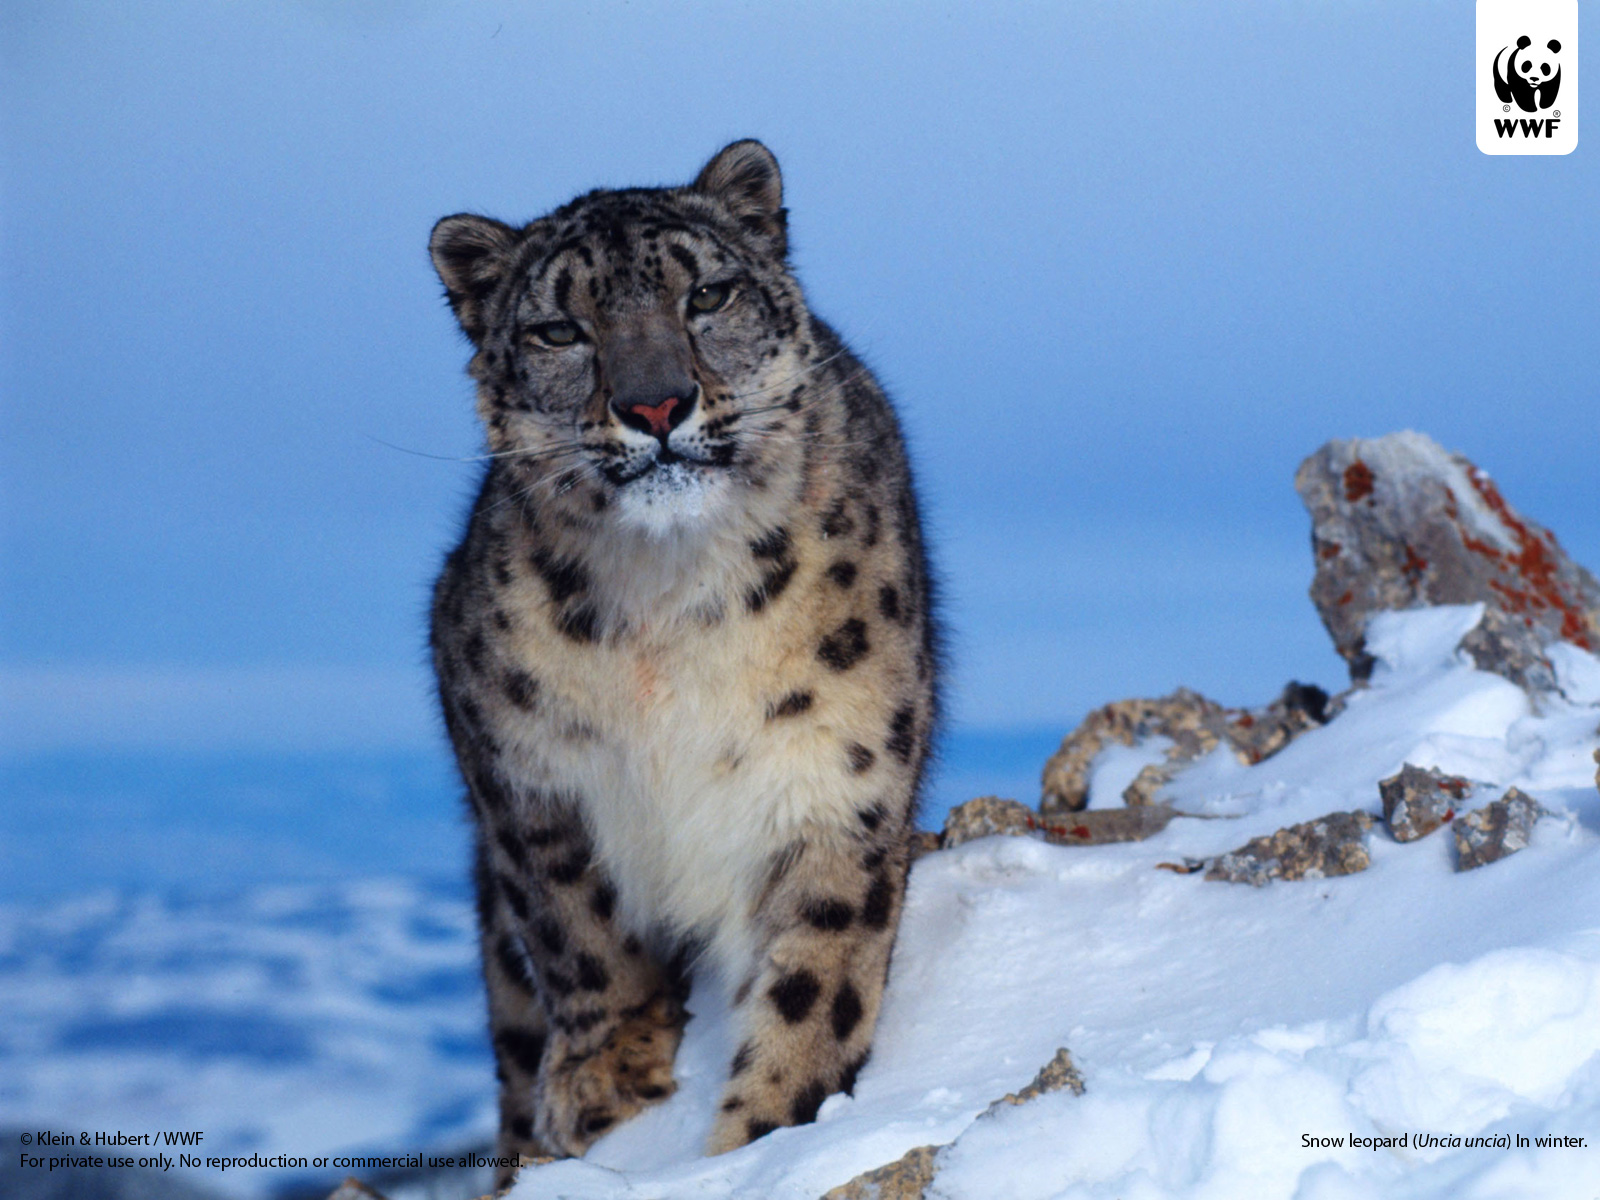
pixel 1217 1025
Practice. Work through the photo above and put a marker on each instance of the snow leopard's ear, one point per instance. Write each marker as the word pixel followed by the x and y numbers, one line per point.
pixel 471 255
pixel 745 178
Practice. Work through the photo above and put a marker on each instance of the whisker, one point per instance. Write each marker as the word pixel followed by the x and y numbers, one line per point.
pixel 470 458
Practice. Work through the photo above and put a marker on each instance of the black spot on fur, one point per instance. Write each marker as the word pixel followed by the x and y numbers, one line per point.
pixel 845 646
pixel 889 603
pixel 515 897
pixel 837 522
pixel 741 1059
pixel 558 981
pixel 524 1047
pixel 791 705
pixel 544 835
pixel 759 1129
pixel 732 1104
pixel 871 817
pixel 774 544
pixel 473 651
pixel 847 1078
pixel 880 899
pixel 510 843
pixel 595 1120
pixel 772 586
pixel 521 689
pixel 804 1106
pixel 520 1128
pixel 603 900
pixel 794 994
pixel 579 624
pixel 570 869
pixel 489 791
pixel 563 577
pixel 512 964
pixel 861 759
pixel 592 974
pixel 578 1022
pixel 685 260
pixel 874 523
pixel 902 738
pixel 828 915
pixel 874 858
pixel 551 937
pixel 847 1011
pixel 843 573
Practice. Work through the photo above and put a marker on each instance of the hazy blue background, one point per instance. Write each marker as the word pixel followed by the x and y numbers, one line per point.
pixel 1123 266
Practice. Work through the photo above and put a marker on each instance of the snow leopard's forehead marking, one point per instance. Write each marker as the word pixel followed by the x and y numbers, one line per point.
pixel 611 252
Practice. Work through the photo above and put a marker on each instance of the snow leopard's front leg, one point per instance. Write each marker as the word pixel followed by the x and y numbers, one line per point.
pixel 806 1015
pixel 585 1023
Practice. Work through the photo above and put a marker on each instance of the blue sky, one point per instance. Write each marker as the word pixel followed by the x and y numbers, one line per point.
pixel 1122 265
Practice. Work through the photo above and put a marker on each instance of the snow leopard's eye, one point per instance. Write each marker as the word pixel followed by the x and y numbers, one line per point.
pixel 557 333
pixel 709 298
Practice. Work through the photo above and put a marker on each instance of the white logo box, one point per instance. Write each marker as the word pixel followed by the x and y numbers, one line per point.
pixel 1527 95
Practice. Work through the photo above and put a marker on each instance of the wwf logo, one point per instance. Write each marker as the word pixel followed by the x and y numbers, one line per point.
pixel 1530 78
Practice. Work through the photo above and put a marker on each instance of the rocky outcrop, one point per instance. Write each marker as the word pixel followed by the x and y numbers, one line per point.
pixel 1490 833
pixel 1102 826
pixel 908 1177
pixel 1060 1072
pixel 1398 522
pixel 1417 801
pixel 1193 724
pixel 989 816
pixel 1331 845
pixel 986 816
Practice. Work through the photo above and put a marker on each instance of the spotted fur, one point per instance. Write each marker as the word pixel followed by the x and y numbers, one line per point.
pixel 686 655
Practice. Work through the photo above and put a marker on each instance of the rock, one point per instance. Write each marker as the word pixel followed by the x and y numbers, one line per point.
pixel 990 815
pixel 904 1179
pixel 908 1177
pixel 1194 725
pixel 1398 522
pixel 1331 845
pixel 1416 802
pixel 985 817
pixel 1060 1072
pixel 1100 826
pixel 1490 833
pixel 924 842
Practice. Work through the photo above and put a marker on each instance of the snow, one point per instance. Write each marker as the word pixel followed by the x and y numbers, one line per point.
pixel 1218 1027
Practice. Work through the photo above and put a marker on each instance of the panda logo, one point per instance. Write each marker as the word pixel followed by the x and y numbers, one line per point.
pixel 1532 77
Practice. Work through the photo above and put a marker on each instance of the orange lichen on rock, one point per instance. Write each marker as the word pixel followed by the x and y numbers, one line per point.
pixel 1536 564
pixel 1358 482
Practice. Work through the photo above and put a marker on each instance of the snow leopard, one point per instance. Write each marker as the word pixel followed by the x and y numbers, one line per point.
pixel 687 657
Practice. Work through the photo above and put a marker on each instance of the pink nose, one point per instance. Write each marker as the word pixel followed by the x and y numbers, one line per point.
pixel 659 417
